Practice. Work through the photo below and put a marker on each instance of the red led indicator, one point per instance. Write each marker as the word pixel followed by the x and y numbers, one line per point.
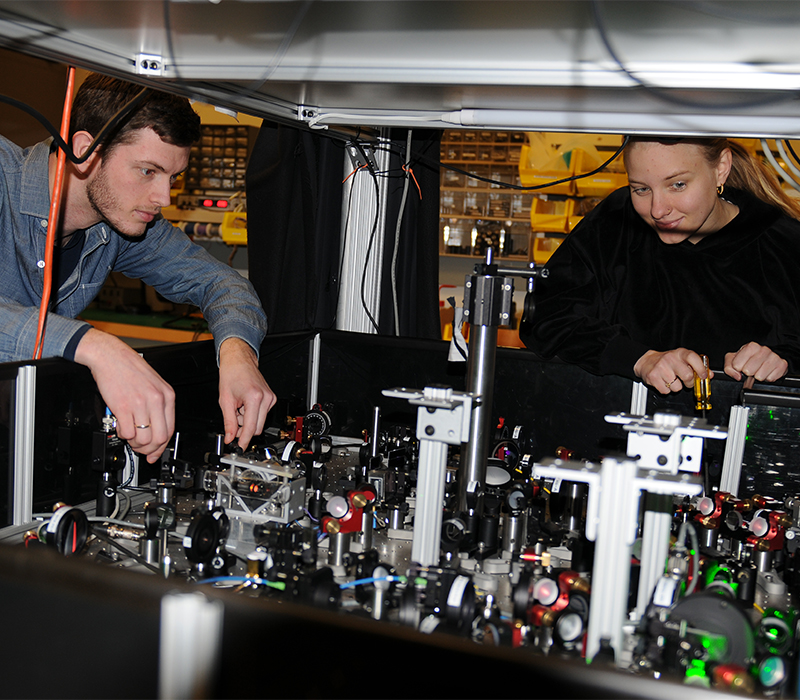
pixel 222 204
pixel 208 202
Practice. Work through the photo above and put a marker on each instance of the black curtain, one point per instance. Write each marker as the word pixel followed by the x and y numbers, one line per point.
pixel 417 267
pixel 294 212
pixel 294 203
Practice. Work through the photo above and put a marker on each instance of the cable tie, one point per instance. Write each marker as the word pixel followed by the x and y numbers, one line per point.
pixel 360 167
pixel 410 171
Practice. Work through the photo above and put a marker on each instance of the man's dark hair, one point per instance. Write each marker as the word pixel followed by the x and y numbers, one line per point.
pixel 100 97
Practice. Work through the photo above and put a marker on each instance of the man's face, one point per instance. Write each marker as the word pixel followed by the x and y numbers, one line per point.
pixel 132 184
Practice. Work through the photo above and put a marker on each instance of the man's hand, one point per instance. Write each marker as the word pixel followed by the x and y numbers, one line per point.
pixel 671 370
pixel 757 361
pixel 244 396
pixel 142 402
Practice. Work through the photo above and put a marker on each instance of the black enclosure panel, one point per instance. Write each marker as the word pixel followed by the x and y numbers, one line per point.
pixel 558 404
pixel 74 629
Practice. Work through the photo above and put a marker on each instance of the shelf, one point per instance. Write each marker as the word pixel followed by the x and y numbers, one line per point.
pixel 532 220
pixel 153 327
pixel 473 217
pixel 475 214
pixel 461 163
pixel 483 190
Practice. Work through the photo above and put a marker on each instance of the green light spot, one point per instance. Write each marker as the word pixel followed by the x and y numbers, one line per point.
pixel 696 674
pixel 716 645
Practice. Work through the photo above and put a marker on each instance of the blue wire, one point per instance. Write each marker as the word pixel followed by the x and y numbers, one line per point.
pixel 280 585
pixel 361 581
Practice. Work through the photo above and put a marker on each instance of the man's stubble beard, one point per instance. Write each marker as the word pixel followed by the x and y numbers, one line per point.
pixel 103 200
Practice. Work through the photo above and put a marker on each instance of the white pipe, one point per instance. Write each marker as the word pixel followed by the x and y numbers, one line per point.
pixel 629 123
pixel 784 175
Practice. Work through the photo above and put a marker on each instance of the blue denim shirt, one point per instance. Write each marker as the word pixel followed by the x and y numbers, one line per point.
pixel 164 258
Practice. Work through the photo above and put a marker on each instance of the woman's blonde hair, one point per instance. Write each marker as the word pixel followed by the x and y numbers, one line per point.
pixel 747 171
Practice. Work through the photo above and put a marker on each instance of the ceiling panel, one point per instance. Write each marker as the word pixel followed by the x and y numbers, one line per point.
pixel 665 67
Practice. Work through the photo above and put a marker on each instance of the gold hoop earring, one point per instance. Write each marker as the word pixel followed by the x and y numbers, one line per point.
pixel 720 190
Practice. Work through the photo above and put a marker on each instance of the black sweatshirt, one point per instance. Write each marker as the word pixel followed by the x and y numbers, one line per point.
pixel 616 290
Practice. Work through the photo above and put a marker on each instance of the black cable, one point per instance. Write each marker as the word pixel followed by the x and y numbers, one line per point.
pixel 60 143
pixel 661 93
pixel 129 453
pixel 170 46
pixel 429 162
pixel 524 188
pixel 417 158
pixel 371 242
pixel 791 150
pixel 288 37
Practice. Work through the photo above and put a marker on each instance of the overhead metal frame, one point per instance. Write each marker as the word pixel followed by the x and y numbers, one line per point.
pixel 661 66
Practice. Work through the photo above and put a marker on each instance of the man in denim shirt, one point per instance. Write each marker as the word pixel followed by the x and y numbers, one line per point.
pixel 110 220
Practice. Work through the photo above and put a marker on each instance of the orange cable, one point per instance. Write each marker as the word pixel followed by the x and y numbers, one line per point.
pixel 414 177
pixel 52 225
pixel 360 167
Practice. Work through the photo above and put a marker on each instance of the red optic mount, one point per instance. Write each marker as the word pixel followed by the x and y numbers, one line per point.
pixel 346 512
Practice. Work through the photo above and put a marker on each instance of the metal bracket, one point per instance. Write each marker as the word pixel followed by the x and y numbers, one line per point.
pixel 148 64
pixel 667 442
pixel 306 113
pixel 444 418
pixel 612 510
pixel 361 155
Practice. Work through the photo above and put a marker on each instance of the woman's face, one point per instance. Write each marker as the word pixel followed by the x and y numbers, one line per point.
pixel 674 189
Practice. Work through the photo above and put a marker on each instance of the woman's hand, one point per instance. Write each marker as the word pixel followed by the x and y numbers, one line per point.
pixel 671 370
pixel 758 361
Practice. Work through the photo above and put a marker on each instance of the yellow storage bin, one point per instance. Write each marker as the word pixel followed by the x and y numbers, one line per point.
pixel 234 228
pixel 579 208
pixel 544 247
pixel 753 146
pixel 550 156
pixel 531 177
pixel 549 215
pixel 602 183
